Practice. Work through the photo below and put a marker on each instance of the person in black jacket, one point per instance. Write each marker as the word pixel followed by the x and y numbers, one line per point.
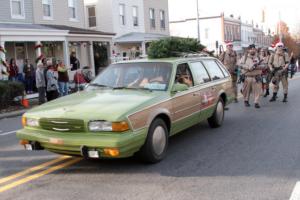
pixel 29 72
pixel 74 61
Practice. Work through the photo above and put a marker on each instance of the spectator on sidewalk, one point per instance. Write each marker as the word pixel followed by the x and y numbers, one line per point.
pixel 52 85
pixel 29 76
pixel 63 79
pixel 13 70
pixel 75 64
pixel 79 80
pixel 40 82
pixel 87 73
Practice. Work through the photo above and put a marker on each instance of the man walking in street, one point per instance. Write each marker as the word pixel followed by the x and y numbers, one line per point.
pixel 266 74
pixel 229 59
pixel 253 81
pixel 278 64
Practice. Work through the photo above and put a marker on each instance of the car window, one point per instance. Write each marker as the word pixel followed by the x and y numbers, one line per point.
pixel 152 75
pixel 199 73
pixel 184 75
pixel 213 69
pixel 222 67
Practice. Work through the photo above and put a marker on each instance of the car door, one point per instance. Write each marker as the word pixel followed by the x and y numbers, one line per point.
pixel 185 104
pixel 203 82
pixel 217 81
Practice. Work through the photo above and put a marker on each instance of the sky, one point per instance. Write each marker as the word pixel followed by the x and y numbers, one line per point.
pixel 248 10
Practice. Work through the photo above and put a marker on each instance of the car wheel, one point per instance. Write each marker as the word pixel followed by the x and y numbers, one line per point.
pixel 216 120
pixel 155 147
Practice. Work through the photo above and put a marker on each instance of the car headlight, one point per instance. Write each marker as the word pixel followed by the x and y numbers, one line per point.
pixel 30 122
pixel 96 126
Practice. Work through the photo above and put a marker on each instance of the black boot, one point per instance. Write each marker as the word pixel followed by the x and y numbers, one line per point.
pixel 247 104
pixel 267 93
pixel 257 105
pixel 273 97
pixel 285 98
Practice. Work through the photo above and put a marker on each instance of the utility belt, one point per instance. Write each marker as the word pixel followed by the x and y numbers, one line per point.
pixel 277 68
pixel 258 77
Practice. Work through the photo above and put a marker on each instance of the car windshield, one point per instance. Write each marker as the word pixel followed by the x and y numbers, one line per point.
pixel 150 76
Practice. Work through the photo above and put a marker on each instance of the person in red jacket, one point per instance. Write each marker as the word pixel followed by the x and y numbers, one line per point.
pixel 79 80
pixel 13 70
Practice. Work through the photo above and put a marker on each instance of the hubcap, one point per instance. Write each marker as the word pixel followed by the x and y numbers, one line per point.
pixel 220 112
pixel 159 140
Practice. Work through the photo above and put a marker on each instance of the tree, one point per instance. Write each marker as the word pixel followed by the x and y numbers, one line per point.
pixel 170 47
pixel 289 41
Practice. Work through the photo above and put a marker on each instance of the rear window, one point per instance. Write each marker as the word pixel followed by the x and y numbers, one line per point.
pixel 223 69
pixel 199 72
pixel 213 69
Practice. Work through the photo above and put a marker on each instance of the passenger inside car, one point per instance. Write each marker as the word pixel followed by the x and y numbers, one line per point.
pixel 183 75
pixel 185 79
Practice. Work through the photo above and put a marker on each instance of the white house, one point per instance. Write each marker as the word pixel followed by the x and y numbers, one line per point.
pixel 135 23
pixel 52 28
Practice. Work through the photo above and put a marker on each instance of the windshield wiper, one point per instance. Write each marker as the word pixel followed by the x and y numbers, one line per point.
pixel 99 85
pixel 131 88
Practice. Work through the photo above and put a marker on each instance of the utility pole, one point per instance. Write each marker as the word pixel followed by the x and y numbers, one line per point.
pixel 198 26
pixel 280 33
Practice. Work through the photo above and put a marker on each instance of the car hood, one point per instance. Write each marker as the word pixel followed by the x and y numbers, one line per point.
pixel 110 105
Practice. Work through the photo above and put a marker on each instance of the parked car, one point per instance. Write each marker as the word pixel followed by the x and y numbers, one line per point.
pixel 132 107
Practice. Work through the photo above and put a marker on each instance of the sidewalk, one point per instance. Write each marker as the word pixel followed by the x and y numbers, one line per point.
pixel 19 110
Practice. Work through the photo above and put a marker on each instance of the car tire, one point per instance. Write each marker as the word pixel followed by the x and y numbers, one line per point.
pixel 155 146
pixel 216 120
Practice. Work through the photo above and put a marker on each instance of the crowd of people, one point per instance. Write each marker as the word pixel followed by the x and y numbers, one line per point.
pixel 49 78
pixel 257 69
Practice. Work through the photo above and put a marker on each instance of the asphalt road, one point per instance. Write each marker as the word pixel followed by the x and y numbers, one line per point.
pixel 254 155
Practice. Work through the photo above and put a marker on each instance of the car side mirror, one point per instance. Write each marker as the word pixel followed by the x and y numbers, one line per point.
pixel 178 87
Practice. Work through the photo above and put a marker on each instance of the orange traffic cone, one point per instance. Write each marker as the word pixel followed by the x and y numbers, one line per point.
pixel 25 103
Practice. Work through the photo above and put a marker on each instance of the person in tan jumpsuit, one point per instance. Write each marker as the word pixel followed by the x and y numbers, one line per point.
pixel 278 64
pixel 266 74
pixel 252 69
pixel 229 59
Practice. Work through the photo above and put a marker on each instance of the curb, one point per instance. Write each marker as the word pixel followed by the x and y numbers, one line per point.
pixel 12 114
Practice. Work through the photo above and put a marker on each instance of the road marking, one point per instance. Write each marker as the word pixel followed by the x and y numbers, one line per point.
pixel 38 175
pixel 7 133
pixel 33 169
pixel 296 192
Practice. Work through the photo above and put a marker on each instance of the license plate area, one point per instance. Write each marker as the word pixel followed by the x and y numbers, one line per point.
pixel 28 147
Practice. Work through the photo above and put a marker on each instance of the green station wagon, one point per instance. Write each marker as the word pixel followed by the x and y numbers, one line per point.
pixel 132 107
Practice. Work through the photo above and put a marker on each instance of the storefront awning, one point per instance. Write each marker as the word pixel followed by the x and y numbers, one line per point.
pixel 136 37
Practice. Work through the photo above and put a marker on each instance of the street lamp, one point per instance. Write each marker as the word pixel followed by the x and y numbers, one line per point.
pixel 198 26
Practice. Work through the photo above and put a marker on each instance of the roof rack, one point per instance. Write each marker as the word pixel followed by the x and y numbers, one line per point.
pixel 190 54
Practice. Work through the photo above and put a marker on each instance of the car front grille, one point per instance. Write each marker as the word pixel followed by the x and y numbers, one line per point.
pixel 62 125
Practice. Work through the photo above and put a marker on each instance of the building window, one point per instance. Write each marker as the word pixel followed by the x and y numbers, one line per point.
pixel 72 9
pixel 135 16
pixel 152 17
pixel 47 9
pixel 162 19
pixel 17 9
pixel 206 33
pixel 92 16
pixel 122 14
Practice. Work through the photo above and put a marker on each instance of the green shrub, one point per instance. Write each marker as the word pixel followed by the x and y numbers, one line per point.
pixel 8 91
pixel 170 47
